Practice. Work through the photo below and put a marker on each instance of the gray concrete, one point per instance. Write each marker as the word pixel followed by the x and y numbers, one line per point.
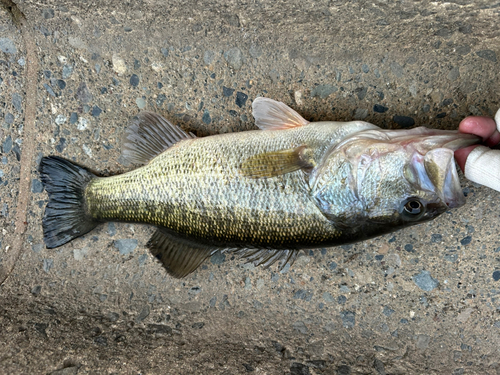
pixel 420 301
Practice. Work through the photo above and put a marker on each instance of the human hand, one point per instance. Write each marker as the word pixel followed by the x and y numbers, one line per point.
pixel 479 163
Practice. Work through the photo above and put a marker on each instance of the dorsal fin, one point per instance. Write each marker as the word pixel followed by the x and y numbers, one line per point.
pixel 179 256
pixel 148 135
pixel 272 115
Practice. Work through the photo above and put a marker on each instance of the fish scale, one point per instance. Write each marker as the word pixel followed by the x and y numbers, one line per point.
pixel 211 200
pixel 261 194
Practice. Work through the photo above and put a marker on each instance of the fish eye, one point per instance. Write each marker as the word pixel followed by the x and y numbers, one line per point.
pixel 413 207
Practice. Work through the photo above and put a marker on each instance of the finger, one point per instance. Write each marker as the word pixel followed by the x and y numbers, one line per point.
pixel 494 139
pixel 484 127
pixel 483 167
pixel 462 154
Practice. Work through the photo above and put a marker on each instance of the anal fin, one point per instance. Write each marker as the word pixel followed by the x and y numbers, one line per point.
pixel 179 256
pixel 271 164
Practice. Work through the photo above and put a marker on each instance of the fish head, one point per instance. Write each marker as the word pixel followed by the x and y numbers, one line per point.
pixel 381 180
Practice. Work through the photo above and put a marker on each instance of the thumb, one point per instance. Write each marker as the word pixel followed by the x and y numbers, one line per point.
pixel 483 167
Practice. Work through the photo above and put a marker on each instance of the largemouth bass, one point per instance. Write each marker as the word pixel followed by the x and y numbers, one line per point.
pixel 263 194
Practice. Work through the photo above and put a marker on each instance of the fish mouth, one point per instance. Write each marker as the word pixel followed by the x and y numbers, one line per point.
pixel 436 171
pixel 434 162
pixel 441 169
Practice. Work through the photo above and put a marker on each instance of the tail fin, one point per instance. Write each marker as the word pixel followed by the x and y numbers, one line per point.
pixel 65 216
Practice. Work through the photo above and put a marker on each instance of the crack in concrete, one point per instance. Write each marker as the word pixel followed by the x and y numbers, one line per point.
pixel 28 140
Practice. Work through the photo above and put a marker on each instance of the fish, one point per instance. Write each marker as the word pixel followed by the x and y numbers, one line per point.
pixel 264 194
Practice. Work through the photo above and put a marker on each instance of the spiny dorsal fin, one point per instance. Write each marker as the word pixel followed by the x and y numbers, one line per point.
pixel 272 115
pixel 271 164
pixel 179 256
pixel 148 135
pixel 267 257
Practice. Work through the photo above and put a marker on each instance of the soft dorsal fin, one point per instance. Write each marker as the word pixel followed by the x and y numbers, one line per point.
pixel 179 256
pixel 148 135
pixel 272 115
pixel 271 164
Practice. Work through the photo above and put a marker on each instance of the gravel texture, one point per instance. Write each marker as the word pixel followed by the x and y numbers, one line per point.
pixel 421 300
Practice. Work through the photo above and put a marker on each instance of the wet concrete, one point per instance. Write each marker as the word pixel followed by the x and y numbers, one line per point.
pixel 421 300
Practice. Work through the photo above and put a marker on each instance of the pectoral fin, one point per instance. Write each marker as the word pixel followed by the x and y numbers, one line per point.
pixel 271 164
pixel 179 256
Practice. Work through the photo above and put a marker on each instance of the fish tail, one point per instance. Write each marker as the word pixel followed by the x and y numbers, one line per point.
pixel 65 215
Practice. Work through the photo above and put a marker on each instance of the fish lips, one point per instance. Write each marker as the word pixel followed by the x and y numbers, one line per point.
pixel 441 169
pixel 436 171
pixel 433 162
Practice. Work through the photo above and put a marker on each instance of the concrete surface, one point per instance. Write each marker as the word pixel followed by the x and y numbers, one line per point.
pixel 420 301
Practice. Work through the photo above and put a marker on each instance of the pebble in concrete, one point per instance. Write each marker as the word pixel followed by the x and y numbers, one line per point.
pixel 397 69
pixel 49 90
pixel 487 54
pixel 241 99
pixel 83 93
pixel 208 57
pixel 496 275
pixel 206 117
pixel 425 281
pixel 328 297
pixel 60 119
pixel 125 246
pixel 348 318
pixel 36 186
pixel 96 111
pixel 61 84
pixel 226 91
pixel 73 118
pixel 7 46
pixel 141 102
pixel 9 119
pixel 7 145
pixel 111 229
pixel 234 58
pixel 83 123
pixel 255 51
pixel 37 247
pixel 48 264
pixel 218 258
pixel 67 71
pixel 119 65
pixel 387 311
pixel 466 240
pixel 79 254
pixel 323 91
pixel 134 80
pixel 404 121
pixel 17 102
pixel 300 327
